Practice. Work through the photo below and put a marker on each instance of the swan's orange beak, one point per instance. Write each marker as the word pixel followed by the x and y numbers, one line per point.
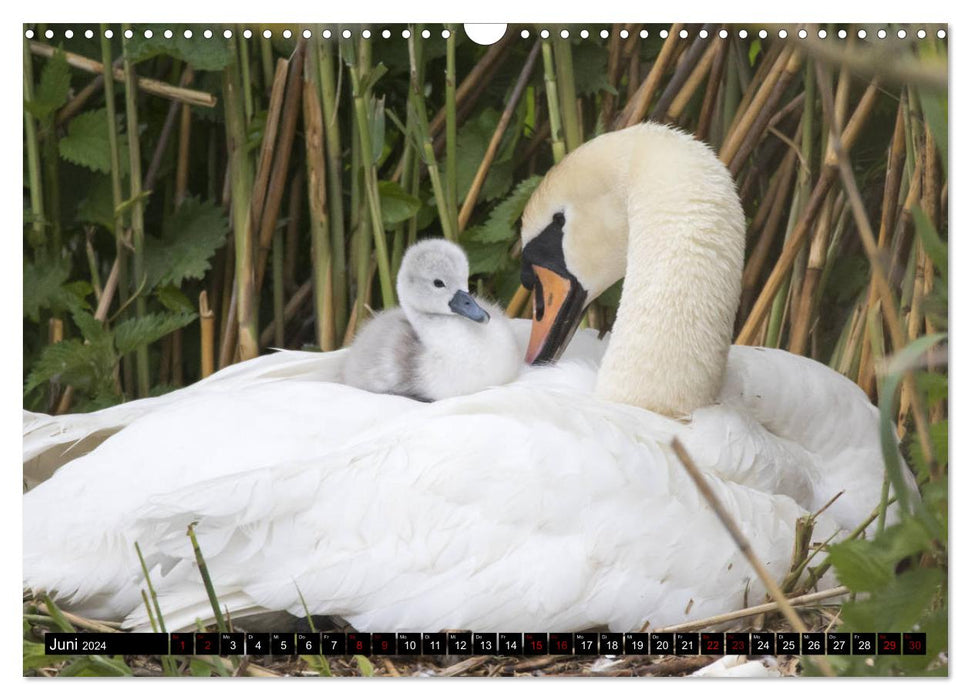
pixel 558 304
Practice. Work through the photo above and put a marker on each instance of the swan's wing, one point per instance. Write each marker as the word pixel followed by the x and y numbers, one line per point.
pixel 819 418
pixel 52 441
pixel 510 509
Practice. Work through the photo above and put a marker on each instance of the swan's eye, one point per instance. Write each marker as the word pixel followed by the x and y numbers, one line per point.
pixel 438 283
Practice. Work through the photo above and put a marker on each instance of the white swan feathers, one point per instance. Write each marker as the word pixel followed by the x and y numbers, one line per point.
pixel 535 505
pixel 441 341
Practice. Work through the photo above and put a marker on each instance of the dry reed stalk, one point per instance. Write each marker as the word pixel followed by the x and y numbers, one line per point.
pixel 802 318
pixel 888 214
pixel 702 68
pixel 518 302
pixel 752 84
pixel 182 162
pixel 896 66
pixel 929 204
pixel 766 112
pixel 614 68
pixel 76 104
pixel 152 87
pixel 747 121
pixel 894 325
pixel 683 70
pixel 207 331
pixel 638 105
pixel 709 622
pixel 296 301
pixel 709 104
pixel 313 120
pixel 267 147
pixel 294 212
pixel 741 541
pixel 828 176
pixel 773 206
pixel 281 159
pixel 493 148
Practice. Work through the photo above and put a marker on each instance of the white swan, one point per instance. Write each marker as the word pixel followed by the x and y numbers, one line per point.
pixel 535 505
pixel 441 341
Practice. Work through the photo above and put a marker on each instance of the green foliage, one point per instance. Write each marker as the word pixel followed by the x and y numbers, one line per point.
pixel 45 288
pixel 86 143
pixel 97 206
pixel 52 91
pixel 501 224
pixel 934 106
pixel 590 69
pixel 208 55
pixel 473 141
pixel 135 332
pixel 396 204
pixel 90 365
pixel 190 238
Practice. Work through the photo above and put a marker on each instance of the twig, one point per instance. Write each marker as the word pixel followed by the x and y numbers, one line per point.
pixel 826 180
pixel 152 87
pixel 207 329
pixel 638 105
pixel 710 622
pixel 490 154
pixel 741 540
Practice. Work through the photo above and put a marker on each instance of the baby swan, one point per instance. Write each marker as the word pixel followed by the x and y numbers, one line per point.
pixel 441 341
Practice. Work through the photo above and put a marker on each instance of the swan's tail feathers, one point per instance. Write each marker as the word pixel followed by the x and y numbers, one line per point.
pixel 52 441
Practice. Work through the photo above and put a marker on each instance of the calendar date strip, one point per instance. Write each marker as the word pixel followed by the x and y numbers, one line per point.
pixel 491 643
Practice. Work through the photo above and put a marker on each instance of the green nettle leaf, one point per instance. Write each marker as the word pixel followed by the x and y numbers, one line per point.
pixel 135 332
pixel 484 258
pixel 473 140
pixel 86 143
pixel 190 237
pixel 590 69
pixel 202 54
pixel 97 205
pixel 898 606
pixel 860 566
pixel 396 204
pixel 501 224
pixel 42 286
pixel 173 299
pixel 52 91
pixel 86 366
pixel 90 327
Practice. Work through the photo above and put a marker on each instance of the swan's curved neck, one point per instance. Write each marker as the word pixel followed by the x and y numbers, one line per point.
pixel 685 248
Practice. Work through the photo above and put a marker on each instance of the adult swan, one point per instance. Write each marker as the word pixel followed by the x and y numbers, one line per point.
pixel 540 505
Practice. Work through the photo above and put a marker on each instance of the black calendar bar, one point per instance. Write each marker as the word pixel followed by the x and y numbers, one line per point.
pixel 501 644
pixel 83 643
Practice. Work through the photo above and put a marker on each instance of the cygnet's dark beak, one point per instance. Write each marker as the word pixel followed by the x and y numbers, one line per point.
pixel 463 304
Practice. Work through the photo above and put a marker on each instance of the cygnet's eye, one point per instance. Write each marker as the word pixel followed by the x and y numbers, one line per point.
pixel 438 283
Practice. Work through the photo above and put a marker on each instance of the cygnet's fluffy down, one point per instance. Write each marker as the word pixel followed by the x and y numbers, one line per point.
pixel 441 341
